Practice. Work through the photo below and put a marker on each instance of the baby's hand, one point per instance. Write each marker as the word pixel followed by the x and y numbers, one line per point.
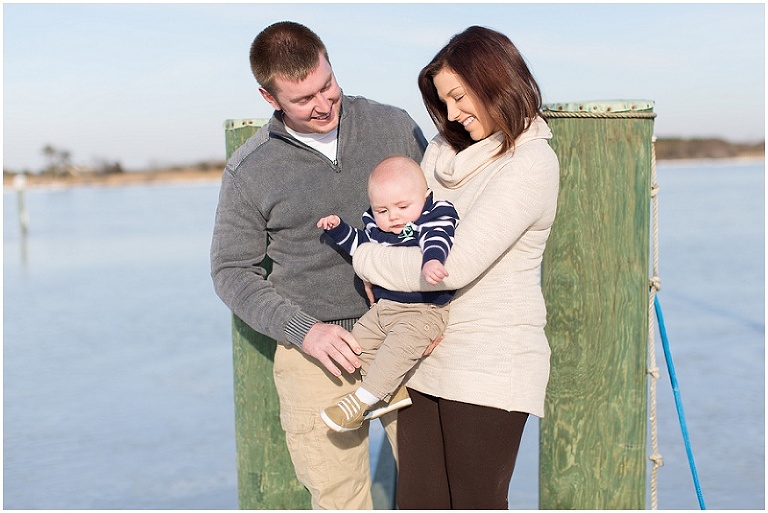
pixel 434 272
pixel 329 222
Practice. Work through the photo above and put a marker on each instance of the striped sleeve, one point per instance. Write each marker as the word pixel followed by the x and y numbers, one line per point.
pixel 437 230
pixel 348 237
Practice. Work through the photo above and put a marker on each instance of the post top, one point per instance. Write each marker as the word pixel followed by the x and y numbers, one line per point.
pixel 233 124
pixel 606 106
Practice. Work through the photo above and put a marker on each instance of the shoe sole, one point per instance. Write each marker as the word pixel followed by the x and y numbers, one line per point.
pixel 369 415
pixel 331 424
pixel 378 412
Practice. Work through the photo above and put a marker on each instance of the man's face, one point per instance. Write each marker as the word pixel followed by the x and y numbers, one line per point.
pixel 311 105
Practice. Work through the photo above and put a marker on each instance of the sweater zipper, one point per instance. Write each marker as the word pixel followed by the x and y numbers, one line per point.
pixel 334 163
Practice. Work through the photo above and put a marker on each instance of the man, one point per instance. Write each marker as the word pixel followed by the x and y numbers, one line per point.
pixel 313 157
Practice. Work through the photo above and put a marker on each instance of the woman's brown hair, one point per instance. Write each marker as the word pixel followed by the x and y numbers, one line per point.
pixel 496 75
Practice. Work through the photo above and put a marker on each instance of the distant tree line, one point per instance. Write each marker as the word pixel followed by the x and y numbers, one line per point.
pixel 59 161
pixel 674 148
pixel 59 164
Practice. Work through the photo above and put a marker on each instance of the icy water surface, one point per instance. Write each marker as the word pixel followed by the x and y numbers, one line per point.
pixel 118 366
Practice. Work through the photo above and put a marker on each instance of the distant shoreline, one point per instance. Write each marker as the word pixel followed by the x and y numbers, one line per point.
pixel 213 175
pixel 164 176
pixel 711 160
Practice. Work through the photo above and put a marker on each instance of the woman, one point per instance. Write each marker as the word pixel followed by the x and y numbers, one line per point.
pixel 458 442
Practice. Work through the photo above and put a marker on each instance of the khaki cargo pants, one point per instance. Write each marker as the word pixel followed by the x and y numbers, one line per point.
pixel 335 467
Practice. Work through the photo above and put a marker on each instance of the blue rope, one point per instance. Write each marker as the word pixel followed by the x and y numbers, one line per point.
pixel 678 401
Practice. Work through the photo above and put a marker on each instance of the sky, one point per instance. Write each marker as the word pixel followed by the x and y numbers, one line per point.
pixel 151 85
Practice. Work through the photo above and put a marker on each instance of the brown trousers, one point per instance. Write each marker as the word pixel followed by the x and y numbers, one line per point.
pixel 455 455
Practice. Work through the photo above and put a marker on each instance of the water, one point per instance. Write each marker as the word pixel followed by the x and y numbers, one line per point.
pixel 117 362
pixel 118 365
pixel 712 269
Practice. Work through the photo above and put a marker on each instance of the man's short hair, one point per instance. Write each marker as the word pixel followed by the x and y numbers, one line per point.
pixel 287 50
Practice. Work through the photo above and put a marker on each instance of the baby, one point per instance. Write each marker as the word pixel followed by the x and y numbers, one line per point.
pixel 400 325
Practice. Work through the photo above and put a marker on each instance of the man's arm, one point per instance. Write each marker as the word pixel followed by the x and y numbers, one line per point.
pixel 238 251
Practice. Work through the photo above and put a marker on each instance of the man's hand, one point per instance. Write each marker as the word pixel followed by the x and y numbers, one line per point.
pixel 330 345
pixel 329 222
pixel 434 272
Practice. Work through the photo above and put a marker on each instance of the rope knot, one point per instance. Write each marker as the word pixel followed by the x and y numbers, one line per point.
pixel 655 283
pixel 654 372
pixel 657 460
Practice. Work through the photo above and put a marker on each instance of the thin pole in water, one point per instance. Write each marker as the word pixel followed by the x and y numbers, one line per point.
pixel 19 183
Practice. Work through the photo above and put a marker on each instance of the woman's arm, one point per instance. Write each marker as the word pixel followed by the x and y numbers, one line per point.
pixel 511 203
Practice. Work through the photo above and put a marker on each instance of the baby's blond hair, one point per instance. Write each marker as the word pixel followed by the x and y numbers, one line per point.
pixel 400 169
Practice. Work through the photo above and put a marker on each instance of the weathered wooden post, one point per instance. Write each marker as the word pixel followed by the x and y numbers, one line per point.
pixel 265 475
pixel 595 281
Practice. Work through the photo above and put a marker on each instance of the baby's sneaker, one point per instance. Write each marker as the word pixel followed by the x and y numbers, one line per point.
pixel 346 415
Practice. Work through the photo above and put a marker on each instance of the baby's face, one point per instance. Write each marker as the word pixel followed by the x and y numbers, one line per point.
pixel 396 203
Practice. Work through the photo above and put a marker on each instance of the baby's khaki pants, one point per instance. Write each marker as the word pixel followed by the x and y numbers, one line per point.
pixel 393 337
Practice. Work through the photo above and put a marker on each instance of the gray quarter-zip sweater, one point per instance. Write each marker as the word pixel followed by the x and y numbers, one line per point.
pixel 274 190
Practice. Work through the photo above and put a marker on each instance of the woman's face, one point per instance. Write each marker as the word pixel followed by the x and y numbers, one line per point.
pixel 462 106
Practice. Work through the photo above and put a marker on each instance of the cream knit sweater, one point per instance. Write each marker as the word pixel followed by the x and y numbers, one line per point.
pixel 495 352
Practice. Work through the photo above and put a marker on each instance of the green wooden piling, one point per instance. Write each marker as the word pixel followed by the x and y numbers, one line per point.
pixel 265 475
pixel 595 281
